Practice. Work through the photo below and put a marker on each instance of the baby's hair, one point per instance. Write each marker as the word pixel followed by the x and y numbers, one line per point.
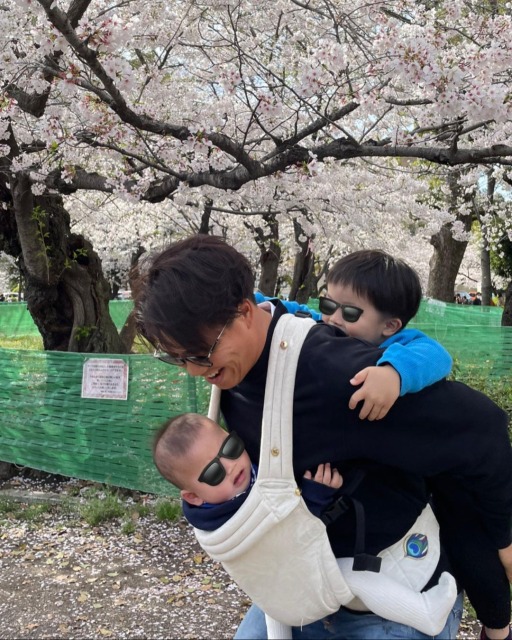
pixel 173 441
pixel 389 284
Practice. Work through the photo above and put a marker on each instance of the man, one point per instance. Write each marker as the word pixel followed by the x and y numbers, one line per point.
pixel 197 298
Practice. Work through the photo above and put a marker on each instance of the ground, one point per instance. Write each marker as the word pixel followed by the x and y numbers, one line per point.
pixel 63 578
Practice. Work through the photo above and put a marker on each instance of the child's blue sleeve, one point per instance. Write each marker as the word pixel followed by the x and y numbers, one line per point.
pixel 291 306
pixel 419 360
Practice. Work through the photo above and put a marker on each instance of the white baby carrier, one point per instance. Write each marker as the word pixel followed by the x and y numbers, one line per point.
pixel 273 547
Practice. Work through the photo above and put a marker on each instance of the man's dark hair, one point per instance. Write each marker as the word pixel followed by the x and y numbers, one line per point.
pixel 175 438
pixel 193 286
pixel 390 284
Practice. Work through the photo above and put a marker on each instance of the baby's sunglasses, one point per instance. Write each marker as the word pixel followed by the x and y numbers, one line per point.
pixel 349 313
pixel 214 472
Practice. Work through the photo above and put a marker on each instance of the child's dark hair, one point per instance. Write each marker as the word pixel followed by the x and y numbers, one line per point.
pixel 390 284
pixel 173 441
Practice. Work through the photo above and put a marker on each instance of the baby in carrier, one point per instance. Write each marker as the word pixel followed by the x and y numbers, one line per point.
pixel 215 476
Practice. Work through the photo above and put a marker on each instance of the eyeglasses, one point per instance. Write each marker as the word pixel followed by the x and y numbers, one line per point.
pixel 349 313
pixel 214 472
pixel 200 361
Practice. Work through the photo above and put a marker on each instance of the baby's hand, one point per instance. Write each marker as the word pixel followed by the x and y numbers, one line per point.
pixel 381 388
pixel 325 475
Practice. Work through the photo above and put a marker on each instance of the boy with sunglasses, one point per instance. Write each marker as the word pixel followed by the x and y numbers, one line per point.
pixel 215 475
pixel 372 296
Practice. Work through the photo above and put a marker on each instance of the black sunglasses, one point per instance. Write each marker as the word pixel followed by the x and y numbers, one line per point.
pixel 349 313
pixel 200 361
pixel 214 472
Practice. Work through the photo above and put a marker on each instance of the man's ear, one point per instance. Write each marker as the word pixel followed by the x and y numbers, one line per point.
pixel 191 498
pixel 246 310
pixel 391 326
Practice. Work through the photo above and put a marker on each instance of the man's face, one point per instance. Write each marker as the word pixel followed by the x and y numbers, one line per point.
pixel 235 353
pixel 371 324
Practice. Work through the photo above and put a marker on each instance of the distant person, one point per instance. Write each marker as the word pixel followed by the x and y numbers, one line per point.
pixel 2 297
pixel 476 299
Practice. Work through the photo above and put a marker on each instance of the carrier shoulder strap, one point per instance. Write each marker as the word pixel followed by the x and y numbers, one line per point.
pixel 276 450
pixel 277 427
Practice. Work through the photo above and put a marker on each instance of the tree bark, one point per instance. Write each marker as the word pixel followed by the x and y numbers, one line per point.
pixel 66 292
pixel 506 318
pixel 444 264
pixel 267 239
pixel 303 281
pixel 129 330
pixel 448 252
pixel 485 254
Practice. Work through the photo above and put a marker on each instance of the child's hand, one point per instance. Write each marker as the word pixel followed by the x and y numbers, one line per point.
pixel 381 388
pixel 325 475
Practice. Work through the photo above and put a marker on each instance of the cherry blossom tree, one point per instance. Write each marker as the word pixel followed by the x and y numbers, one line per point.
pixel 288 107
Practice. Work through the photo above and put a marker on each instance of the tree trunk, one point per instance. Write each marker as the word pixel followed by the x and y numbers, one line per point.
pixel 267 239
pixel 485 254
pixel 444 264
pixel 485 266
pixel 303 282
pixel 65 289
pixel 270 259
pixel 129 330
pixel 506 318
pixel 448 252
pixel 205 217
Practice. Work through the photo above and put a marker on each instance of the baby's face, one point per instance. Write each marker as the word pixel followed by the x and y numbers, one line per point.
pixel 205 449
pixel 371 323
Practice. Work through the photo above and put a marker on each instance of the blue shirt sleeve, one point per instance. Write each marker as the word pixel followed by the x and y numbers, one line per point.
pixel 291 306
pixel 419 360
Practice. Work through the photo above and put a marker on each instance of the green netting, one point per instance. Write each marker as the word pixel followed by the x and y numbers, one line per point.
pixel 16 321
pixel 47 425
pixel 434 311
pixel 472 335
pixel 119 310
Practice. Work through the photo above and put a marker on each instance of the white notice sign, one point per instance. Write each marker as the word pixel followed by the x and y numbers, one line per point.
pixel 105 378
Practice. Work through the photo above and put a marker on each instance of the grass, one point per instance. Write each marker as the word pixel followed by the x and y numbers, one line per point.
pixel 33 513
pixel 96 506
pixel 102 509
pixel 167 510
pixel 497 388
pixel 22 342
pixel 35 343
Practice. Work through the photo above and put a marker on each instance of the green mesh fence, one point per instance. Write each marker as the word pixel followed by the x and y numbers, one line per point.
pixel 473 336
pixel 47 425
pixel 15 320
